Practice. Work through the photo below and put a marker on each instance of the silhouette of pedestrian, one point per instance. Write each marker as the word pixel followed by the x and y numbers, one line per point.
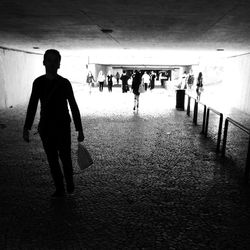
pixel 152 80
pixel 190 80
pixel 110 81
pixel 101 79
pixel 117 78
pixel 55 93
pixel 199 86
pixel 184 80
pixel 135 87
pixel 146 80
pixel 124 78
pixel 90 80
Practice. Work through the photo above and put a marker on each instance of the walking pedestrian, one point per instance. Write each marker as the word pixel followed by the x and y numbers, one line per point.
pixel 146 80
pixel 124 78
pixel 152 80
pixel 101 79
pixel 54 93
pixel 190 80
pixel 117 77
pixel 90 81
pixel 110 81
pixel 135 87
pixel 184 80
pixel 199 86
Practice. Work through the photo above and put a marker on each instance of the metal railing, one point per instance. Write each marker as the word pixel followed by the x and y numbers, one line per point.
pixel 219 129
pixel 243 128
pixel 205 124
pixel 188 105
pixel 195 114
pixel 204 115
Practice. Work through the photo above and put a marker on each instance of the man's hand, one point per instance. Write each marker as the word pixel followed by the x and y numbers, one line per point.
pixel 80 136
pixel 26 135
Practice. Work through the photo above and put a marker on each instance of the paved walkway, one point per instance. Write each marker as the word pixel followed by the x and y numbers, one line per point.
pixel 156 182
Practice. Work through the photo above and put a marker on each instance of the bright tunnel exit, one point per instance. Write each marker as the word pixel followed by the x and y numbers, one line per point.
pixel 218 90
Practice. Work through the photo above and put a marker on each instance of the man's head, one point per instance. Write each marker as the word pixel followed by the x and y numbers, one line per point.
pixel 51 60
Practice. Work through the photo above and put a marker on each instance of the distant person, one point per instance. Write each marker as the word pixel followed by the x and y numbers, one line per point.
pixel 55 93
pixel 117 78
pixel 199 86
pixel 152 80
pixel 168 75
pixel 135 87
pixel 146 80
pixel 110 81
pixel 184 80
pixel 90 80
pixel 190 80
pixel 124 78
pixel 101 80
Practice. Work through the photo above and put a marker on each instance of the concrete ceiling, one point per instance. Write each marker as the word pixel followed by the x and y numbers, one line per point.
pixel 70 25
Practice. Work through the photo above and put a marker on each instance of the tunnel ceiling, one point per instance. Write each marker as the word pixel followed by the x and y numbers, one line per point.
pixel 123 24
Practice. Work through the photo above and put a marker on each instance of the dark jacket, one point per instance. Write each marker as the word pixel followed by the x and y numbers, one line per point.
pixel 124 79
pixel 54 96
pixel 136 83
pixel 90 79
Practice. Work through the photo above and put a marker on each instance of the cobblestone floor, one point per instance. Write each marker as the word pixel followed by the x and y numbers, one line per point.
pixel 156 182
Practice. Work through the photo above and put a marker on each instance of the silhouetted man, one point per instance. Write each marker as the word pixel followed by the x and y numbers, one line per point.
pixel 55 93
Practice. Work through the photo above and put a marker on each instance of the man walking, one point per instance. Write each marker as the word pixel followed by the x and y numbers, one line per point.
pixel 55 93
pixel 146 80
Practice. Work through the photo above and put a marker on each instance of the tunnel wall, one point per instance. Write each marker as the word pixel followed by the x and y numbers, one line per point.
pixel 19 69
pixel 227 80
pixel 17 72
pixel 237 81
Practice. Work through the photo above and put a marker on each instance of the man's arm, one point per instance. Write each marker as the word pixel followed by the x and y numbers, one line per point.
pixel 31 112
pixel 75 113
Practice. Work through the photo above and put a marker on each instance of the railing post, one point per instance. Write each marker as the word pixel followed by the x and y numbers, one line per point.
pixel 207 120
pixel 224 138
pixel 204 119
pixel 219 132
pixel 195 112
pixel 247 169
pixel 188 106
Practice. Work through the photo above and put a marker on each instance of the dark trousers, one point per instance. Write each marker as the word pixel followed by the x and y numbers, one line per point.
pixel 125 88
pixel 110 87
pixel 57 144
pixel 152 85
pixel 101 86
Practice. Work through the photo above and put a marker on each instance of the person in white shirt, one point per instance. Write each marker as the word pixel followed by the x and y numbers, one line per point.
pixel 146 80
pixel 101 79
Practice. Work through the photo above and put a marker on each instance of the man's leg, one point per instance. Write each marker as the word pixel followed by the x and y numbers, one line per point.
pixel 134 102
pixel 65 156
pixel 90 86
pixel 50 148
